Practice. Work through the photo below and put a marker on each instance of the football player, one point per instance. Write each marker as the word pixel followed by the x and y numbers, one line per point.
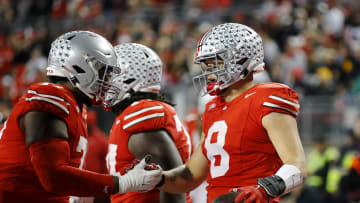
pixel 43 142
pixel 145 124
pixel 251 143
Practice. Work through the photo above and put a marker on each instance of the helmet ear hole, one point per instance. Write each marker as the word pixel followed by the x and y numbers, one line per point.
pixel 78 69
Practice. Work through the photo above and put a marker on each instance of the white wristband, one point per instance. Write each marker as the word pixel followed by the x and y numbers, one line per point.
pixel 291 175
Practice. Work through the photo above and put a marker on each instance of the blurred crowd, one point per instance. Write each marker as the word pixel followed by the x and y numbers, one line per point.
pixel 312 46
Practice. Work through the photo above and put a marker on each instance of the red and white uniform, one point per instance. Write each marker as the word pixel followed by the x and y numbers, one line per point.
pixel 236 144
pixel 141 116
pixel 18 179
pixel 191 125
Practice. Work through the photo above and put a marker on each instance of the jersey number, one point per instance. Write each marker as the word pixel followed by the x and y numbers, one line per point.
pixel 111 159
pixel 179 128
pixel 82 146
pixel 218 157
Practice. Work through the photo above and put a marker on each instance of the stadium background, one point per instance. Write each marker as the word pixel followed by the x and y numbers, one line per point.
pixel 312 46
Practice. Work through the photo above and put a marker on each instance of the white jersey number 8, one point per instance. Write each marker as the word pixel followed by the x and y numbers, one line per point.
pixel 216 151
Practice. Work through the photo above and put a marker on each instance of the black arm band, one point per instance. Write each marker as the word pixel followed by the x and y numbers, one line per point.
pixel 116 185
pixel 273 185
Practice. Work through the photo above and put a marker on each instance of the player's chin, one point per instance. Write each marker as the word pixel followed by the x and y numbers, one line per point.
pixel 227 198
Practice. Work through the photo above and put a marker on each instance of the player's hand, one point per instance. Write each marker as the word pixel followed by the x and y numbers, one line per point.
pixel 140 178
pixel 130 166
pixel 250 194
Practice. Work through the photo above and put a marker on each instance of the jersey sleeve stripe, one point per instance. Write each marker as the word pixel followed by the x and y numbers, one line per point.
pixel 155 115
pixel 142 111
pixel 2 130
pixel 285 101
pixel 47 96
pixel 275 106
pixel 57 104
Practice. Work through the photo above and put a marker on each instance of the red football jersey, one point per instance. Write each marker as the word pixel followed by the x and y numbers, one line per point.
pixel 140 116
pixel 97 150
pixel 18 180
pixel 191 121
pixel 236 144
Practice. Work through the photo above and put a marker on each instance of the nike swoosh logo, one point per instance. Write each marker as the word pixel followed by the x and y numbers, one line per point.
pixel 248 95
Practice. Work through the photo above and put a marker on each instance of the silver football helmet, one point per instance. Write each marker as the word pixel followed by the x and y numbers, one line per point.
pixel 237 51
pixel 86 59
pixel 141 71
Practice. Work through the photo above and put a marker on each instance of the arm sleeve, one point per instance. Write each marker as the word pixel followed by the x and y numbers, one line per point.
pixel 50 159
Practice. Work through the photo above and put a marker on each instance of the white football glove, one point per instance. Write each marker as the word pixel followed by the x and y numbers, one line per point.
pixel 138 179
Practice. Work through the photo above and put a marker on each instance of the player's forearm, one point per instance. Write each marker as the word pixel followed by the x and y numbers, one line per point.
pixel 300 164
pixel 179 180
pixel 287 178
pixel 50 159
pixel 67 180
pixel 295 157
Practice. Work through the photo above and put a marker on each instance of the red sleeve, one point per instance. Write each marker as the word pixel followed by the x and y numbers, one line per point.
pixel 48 99
pixel 145 116
pixel 50 159
pixel 282 100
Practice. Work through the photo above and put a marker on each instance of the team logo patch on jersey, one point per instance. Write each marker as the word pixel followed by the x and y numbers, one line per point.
pixel 211 106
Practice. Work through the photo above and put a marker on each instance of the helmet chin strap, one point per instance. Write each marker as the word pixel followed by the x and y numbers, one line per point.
pixel 213 88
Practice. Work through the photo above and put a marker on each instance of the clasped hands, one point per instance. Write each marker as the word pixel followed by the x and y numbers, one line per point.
pixel 140 176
